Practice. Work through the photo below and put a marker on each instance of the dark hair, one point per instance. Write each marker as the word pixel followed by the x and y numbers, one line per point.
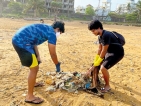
pixel 60 25
pixel 95 24
pixel 41 20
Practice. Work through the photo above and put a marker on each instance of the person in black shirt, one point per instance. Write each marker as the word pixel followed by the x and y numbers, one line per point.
pixel 109 53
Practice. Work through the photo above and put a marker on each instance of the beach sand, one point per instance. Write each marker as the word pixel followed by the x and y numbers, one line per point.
pixel 76 50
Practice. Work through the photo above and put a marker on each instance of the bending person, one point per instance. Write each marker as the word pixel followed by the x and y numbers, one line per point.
pixel 25 42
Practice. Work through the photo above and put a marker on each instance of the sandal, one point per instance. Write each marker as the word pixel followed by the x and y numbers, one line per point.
pixel 39 85
pixel 35 101
pixel 103 90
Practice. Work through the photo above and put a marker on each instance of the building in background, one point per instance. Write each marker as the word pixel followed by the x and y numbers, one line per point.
pixel 129 7
pixel 67 6
pixel 104 9
pixel 80 10
pixel 22 1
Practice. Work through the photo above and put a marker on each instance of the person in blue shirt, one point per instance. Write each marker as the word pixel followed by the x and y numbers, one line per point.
pixel 25 42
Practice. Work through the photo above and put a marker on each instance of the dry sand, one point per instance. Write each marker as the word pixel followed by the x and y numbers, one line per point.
pixel 75 50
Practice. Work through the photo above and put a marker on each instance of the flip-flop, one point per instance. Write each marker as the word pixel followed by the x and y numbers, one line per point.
pixel 39 85
pixel 103 90
pixel 35 101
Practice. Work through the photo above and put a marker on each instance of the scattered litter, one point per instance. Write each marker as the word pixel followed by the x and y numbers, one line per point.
pixel 70 82
pixel 24 94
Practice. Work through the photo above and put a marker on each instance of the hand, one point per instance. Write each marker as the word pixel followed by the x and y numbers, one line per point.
pixel 39 60
pixel 58 67
pixel 97 63
pixel 96 58
pixel 88 73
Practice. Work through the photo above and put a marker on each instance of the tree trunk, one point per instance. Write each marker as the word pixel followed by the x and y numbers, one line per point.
pixel 138 15
pixel 56 12
pixel 1 7
pixel 55 18
pixel 35 12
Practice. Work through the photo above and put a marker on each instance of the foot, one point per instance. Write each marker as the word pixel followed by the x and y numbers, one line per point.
pixel 39 84
pixel 105 89
pixel 36 100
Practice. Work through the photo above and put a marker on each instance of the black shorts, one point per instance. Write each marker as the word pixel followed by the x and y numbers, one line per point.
pixel 111 59
pixel 27 59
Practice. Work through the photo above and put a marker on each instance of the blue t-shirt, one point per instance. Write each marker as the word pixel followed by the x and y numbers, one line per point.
pixel 34 34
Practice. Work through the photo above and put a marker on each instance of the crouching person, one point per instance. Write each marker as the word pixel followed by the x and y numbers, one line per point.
pixel 110 52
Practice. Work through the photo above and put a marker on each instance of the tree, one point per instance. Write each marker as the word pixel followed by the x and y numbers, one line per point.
pixel 15 7
pixel 117 17
pixel 89 10
pixel 56 5
pixel 38 6
pixel 128 7
pixel 1 7
pixel 131 17
pixel 119 10
pixel 139 10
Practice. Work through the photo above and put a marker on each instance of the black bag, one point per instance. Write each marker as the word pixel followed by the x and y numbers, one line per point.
pixel 120 38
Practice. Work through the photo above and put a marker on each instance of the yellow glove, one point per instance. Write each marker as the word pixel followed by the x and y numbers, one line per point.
pixel 97 63
pixel 96 58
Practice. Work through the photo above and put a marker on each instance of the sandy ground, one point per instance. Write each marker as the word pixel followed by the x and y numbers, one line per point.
pixel 75 50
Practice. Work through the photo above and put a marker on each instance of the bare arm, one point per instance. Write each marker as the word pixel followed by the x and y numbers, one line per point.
pixel 99 49
pixel 36 51
pixel 92 67
pixel 52 50
pixel 104 51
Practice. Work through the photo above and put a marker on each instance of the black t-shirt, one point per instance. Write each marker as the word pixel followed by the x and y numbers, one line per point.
pixel 108 38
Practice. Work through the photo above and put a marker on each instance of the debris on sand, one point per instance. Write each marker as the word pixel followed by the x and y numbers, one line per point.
pixel 71 82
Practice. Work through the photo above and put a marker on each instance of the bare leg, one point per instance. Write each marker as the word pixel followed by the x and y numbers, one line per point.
pixel 31 83
pixel 106 77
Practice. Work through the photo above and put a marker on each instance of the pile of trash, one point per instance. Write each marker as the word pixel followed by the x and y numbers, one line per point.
pixel 68 81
